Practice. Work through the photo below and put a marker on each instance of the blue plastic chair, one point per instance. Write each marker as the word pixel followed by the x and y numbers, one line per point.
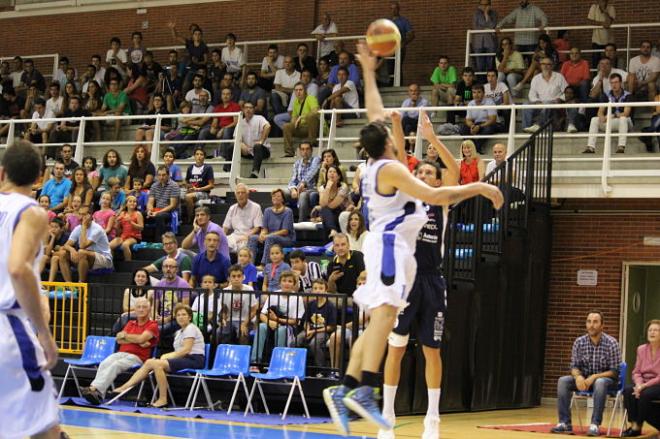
pixel 285 364
pixel 617 394
pixel 95 351
pixel 230 361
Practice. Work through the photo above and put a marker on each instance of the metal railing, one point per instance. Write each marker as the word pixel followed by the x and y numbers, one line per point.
pixel 68 314
pixel 328 141
pixel 245 45
pixel 36 58
pixel 627 26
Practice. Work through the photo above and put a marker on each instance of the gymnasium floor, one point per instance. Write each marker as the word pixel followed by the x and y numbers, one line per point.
pixel 92 423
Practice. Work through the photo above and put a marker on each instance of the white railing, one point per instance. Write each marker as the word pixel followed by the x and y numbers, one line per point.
pixel 511 136
pixel 244 45
pixel 627 26
pixel 56 62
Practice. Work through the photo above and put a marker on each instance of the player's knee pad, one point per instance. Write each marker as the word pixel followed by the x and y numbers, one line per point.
pixel 398 341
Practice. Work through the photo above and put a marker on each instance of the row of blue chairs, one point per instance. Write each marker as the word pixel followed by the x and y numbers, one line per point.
pixel 231 363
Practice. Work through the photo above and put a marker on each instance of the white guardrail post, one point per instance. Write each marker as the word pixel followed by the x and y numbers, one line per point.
pixel 155 143
pixel 11 133
pixel 80 141
pixel 235 171
pixel 607 152
pixel 397 67
pixel 332 132
pixel 511 141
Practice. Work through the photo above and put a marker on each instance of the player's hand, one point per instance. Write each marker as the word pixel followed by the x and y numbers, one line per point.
pixel 50 349
pixel 493 193
pixel 426 126
pixel 394 115
pixel 364 56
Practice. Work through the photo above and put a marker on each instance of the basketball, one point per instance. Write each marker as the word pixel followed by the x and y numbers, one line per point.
pixel 383 37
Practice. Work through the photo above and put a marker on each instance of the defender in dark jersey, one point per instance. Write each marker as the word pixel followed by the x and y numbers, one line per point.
pixel 427 301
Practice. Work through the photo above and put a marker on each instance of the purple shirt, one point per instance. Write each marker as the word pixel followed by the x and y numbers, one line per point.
pixel 223 249
pixel 164 299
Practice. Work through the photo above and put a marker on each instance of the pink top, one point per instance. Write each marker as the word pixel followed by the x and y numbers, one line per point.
pixel 51 215
pixel 72 220
pixel 101 217
pixel 647 369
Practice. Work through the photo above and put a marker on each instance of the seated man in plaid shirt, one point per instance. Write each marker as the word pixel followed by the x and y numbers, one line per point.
pixel 595 362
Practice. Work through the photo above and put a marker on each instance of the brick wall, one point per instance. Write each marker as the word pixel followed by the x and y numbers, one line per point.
pixel 599 238
pixel 439 26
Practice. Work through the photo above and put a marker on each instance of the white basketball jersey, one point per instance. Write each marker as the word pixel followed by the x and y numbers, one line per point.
pixel 399 213
pixel 12 206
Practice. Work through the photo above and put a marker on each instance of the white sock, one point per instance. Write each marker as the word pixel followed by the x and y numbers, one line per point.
pixel 433 410
pixel 389 394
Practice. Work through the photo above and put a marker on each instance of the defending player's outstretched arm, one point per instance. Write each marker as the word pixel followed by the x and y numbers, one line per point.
pixel 452 172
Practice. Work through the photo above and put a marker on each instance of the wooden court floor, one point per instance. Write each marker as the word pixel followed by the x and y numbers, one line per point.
pixel 90 423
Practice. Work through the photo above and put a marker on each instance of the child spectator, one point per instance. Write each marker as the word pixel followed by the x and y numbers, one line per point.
pixel 274 269
pixel 130 222
pixel 249 270
pixel 142 196
pixel 105 216
pixel 174 169
pixel 72 215
pixel 205 306
pixel 57 237
pixel 238 309
pixel 320 321
pixel 89 165
pixel 44 202
pixel 117 194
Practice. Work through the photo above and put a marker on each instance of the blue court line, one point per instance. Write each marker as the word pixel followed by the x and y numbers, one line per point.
pixel 181 428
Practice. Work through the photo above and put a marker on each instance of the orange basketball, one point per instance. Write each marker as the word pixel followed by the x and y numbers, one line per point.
pixel 383 37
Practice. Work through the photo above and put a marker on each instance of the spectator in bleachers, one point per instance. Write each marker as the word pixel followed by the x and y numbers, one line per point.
pixel 16 72
pixel 463 93
pixel 202 225
pixel 72 215
pixel 546 88
pixel 140 194
pixel 239 304
pixel 105 215
pixel 67 130
pixel 620 121
pixel 66 158
pixel 284 82
pixel 499 93
pixel 254 94
pixel 5 74
pixel 525 16
pixel 277 227
pixel 654 127
pixel 136 88
pixel 303 119
pixel 13 108
pixel 274 268
pixel 254 139
pixel 602 14
pixel 92 253
pixel 44 203
pixel 146 131
pixel 170 86
pixel 115 103
pixel 610 51
pixel 509 63
pixel 187 129
pixel 307 272
pixel 562 45
pixel 113 73
pixel 39 130
pixel 57 237
pixel 639 397
pixel 80 186
pixel 245 258
pixel 205 307
pixel 355 229
pixel 140 167
pixel 499 156
pixel 484 17
pixel 135 341
pixel 168 292
pixel 117 194
pixel 320 320
pixel 344 60
pixel 172 251
pixel 92 103
pixel 222 127
pixel 544 49
pixel 88 77
pixel 233 56
pixel 136 51
pixel 244 219
pixel 324 73
pixel 55 102
pixel 197 51
pixel 644 70
pixel 152 71
pixel 302 185
pixel 162 202
pixel 279 316
pixel 595 362
pixel 327 29
pixel 130 223
pixel 332 58
pixel 271 63
pixel 414 100
pixel 328 158
pixel 172 168
pixel 600 85
pixel 31 76
pixel 210 261
pixel 194 95
pixel 303 60
pixel 480 121
pixel 199 182
pixel 577 74
pixel 216 71
pixel 140 288
pixel 344 96
pixel 405 29
pixel 57 188
pixel 229 82
pixel 576 119
pixel 116 57
pixel 189 351
pixel 345 267
pixel 333 199
pixel 472 167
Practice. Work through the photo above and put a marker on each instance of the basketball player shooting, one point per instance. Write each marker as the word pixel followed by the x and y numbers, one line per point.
pixel 393 199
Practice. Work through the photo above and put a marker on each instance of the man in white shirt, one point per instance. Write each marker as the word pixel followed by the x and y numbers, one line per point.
pixel 620 121
pixel 600 85
pixel 499 93
pixel 601 14
pixel 644 70
pixel 499 155
pixel 254 138
pixel 193 95
pixel 344 96
pixel 39 130
pixel 271 63
pixel 233 56
pixel 546 88
pixel 243 219
pixel 323 31
pixel 99 76
pixel 480 121
pixel 116 56
pixel 285 80
pixel 55 103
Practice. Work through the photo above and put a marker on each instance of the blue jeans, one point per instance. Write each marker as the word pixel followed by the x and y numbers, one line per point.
pixel 541 115
pixel 565 388
pixel 281 119
pixel 253 245
pixel 259 341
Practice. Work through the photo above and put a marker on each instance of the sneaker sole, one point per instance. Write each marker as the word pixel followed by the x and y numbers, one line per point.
pixel 330 404
pixel 357 408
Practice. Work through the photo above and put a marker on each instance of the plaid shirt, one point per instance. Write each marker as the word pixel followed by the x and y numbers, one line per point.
pixel 305 172
pixel 591 359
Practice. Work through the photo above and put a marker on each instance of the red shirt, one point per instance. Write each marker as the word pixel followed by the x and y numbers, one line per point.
pixel 469 171
pixel 132 327
pixel 412 162
pixel 576 73
pixel 231 107
pixel 561 45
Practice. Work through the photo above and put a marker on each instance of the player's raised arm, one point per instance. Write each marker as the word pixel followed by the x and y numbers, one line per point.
pixel 372 100
pixel 398 137
pixel 452 172
pixel 396 176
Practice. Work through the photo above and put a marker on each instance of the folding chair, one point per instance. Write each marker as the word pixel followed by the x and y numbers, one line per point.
pixel 285 364
pixel 230 360
pixel 96 350
pixel 617 394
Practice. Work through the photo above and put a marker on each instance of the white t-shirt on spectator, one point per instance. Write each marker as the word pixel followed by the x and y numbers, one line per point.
pixel 490 166
pixel 601 35
pixel 606 82
pixel 479 115
pixel 351 96
pixel 325 45
pixel 16 78
pixel 541 90
pixel 238 304
pixel 234 59
pixel 121 55
pixel 643 71
pixel 193 97
pixel 279 64
pixel 291 306
pixel 201 304
pixel 55 105
pixel 251 131
pixel 496 95
pixel 40 123
pixel 285 80
pixel 190 331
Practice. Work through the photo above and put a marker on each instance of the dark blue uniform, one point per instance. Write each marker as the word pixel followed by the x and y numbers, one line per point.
pixel 427 301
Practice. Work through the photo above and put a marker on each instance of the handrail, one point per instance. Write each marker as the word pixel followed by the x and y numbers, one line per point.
pixel 56 61
pixel 627 26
